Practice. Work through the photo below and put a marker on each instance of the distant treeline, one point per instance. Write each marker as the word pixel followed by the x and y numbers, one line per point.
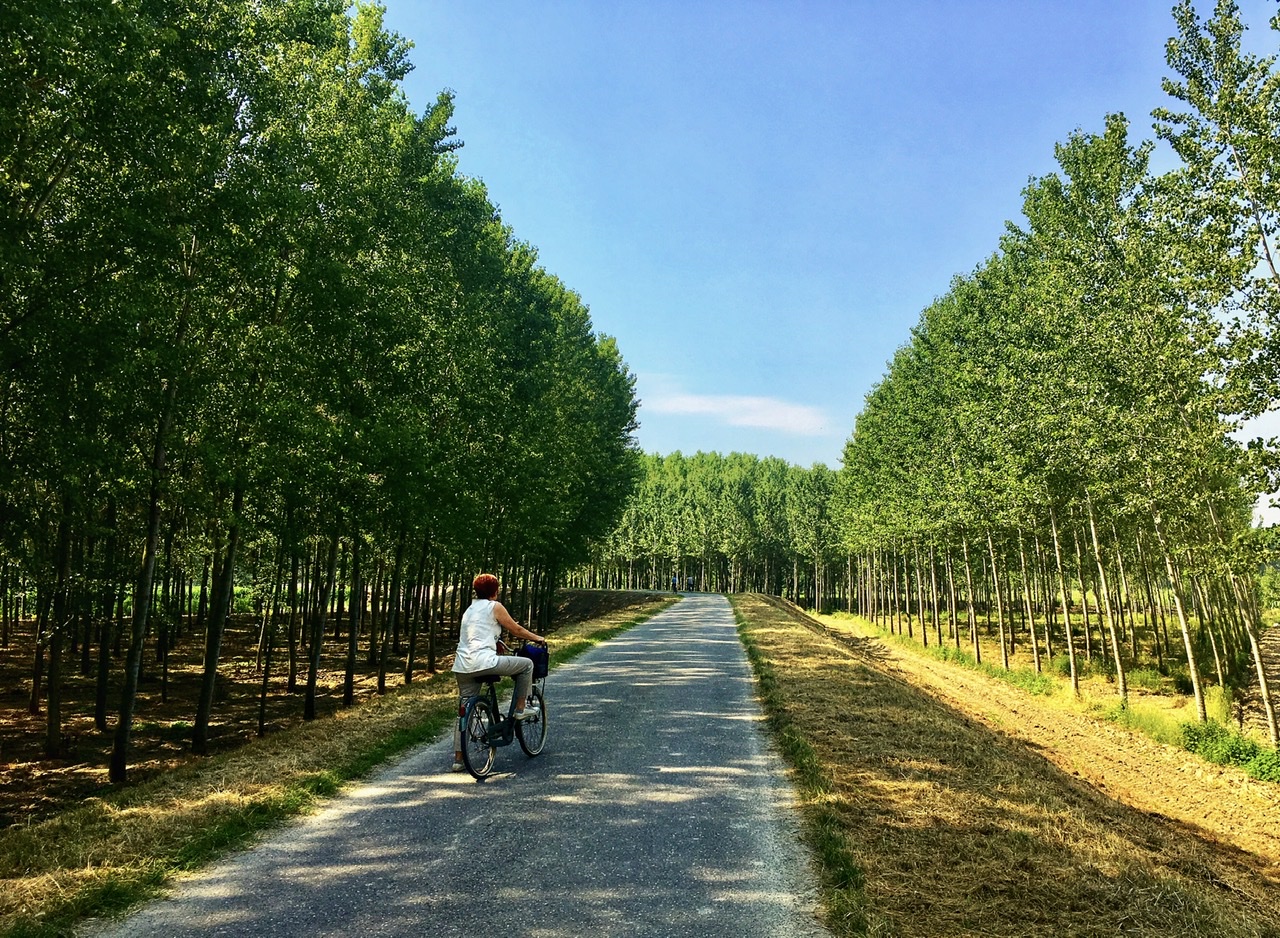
pixel 257 332
pixel 1053 447
pixel 733 523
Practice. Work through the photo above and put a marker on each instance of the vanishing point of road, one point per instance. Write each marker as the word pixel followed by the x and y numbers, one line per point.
pixel 658 808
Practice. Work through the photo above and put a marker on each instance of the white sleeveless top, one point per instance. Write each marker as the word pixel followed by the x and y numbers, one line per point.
pixel 477 638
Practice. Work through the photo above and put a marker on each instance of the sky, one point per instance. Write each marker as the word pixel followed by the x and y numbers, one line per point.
pixel 758 199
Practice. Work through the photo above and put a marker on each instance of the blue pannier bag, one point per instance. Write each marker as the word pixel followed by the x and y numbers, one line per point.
pixel 537 654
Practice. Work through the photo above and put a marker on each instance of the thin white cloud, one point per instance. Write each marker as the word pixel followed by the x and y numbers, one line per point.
pixel 761 413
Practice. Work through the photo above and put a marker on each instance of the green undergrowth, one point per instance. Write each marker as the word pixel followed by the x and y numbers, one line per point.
pixel 1214 740
pixel 1153 724
pixel 843 879
pixel 1222 745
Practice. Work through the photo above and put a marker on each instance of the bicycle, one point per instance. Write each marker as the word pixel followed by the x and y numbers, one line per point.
pixel 484 729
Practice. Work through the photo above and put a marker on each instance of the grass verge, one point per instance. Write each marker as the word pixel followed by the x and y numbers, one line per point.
pixel 110 853
pixel 842 879
pixel 928 823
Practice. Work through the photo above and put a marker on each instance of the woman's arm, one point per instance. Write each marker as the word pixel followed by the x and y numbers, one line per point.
pixel 511 625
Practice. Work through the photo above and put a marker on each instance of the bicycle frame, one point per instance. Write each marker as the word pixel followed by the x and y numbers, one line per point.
pixel 505 728
pixel 481 734
pixel 503 732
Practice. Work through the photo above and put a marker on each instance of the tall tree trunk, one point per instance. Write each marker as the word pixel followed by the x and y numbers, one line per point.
pixel 83 613
pixel 107 608
pixel 924 631
pixel 1207 625
pixel 1026 599
pixel 415 613
pixel 1125 597
pixel 339 614
pixel 1179 606
pixel 310 576
pixel 897 595
pixel 435 612
pixel 44 611
pixel 848 582
pixel 269 635
pixel 1084 598
pixel 1066 606
pixel 1151 608
pixel 995 583
pixel 162 634
pixel 146 576
pixel 968 581
pixel 317 628
pixel 817 584
pixel 57 632
pixel 953 603
pixel 1045 589
pixel 874 579
pixel 291 638
pixel 393 610
pixel 1122 685
pixel 1250 613
pixel 355 615
pixel 219 609
pixel 933 594
pixel 376 615
pixel 904 596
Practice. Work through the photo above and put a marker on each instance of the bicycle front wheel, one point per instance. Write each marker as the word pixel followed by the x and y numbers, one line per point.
pixel 532 732
pixel 477 750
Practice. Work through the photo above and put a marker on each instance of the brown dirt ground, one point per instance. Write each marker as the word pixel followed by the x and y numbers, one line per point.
pixel 33 787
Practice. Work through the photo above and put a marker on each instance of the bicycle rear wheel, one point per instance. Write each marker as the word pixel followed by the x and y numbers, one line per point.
pixel 477 750
pixel 532 732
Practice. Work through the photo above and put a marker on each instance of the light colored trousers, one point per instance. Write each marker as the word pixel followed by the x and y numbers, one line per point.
pixel 517 666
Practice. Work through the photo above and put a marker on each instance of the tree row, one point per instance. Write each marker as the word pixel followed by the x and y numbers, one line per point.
pixel 1068 408
pixel 719 523
pixel 260 337
pixel 1051 460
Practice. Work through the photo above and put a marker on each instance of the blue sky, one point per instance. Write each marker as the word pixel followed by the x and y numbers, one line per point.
pixel 758 198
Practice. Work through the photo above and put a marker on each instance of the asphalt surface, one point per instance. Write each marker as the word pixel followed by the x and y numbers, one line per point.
pixel 656 809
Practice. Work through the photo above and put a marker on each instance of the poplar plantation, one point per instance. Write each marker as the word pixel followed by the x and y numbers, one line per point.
pixel 265 350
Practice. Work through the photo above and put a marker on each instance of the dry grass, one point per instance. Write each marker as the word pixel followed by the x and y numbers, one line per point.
pixel 958 830
pixel 110 852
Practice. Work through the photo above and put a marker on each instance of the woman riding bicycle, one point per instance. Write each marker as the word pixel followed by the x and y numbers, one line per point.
pixel 477 656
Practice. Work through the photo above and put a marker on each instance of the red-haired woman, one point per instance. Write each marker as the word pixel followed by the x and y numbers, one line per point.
pixel 477 654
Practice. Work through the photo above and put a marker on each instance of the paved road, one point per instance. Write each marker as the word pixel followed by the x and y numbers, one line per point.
pixel 657 809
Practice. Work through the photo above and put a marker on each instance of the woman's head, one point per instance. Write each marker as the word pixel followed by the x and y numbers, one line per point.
pixel 485 585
